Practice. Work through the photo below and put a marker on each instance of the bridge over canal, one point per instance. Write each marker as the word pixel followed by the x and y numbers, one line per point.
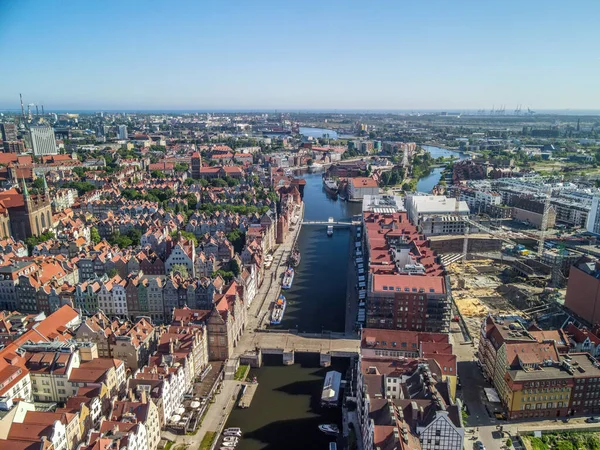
pixel 328 345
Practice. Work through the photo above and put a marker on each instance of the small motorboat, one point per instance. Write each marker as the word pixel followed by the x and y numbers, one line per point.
pixel 236 429
pixel 236 434
pixel 229 444
pixel 231 439
pixel 330 429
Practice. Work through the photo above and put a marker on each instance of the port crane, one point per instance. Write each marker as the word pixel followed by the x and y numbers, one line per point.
pixel 518 110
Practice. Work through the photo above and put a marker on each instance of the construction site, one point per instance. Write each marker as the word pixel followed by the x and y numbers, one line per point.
pixel 512 281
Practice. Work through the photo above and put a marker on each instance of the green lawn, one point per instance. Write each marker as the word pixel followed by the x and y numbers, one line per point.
pixel 207 440
pixel 565 441
pixel 242 372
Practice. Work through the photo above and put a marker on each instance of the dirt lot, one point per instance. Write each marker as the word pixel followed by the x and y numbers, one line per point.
pixel 478 291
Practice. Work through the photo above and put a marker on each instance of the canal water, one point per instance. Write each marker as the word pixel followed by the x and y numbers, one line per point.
pixel 427 183
pixel 317 299
pixel 285 411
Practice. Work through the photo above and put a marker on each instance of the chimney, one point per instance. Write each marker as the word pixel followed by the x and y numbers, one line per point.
pixel 144 396
pixel 414 410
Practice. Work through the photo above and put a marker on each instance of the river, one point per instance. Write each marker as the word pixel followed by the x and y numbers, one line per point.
pixel 285 411
pixel 427 183
pixel 318 132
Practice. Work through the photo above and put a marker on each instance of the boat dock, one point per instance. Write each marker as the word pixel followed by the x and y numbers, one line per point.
pixel 247 395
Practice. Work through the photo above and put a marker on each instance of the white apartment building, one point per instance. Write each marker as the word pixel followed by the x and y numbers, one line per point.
pixel 122 132
pixel 419 206
pixel 43 140
pixel 593 219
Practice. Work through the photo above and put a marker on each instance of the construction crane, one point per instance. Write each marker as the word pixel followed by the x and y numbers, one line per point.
pixel 544 223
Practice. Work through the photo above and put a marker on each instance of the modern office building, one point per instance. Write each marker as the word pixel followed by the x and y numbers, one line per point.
pixel 43 140
pixel 122 132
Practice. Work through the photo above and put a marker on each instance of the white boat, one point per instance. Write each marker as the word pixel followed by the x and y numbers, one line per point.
pixel 231 439
pixel 235 429
pixel 232 434
pixel 330 429
pixel 330 227
pixel 229 444
pixel 331 389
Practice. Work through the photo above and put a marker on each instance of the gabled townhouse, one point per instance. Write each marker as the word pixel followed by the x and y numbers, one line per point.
pixel 144 412
pixel 21 433
pixel 583 340
pixel 134 343
pixel 183 253
pixel 205 264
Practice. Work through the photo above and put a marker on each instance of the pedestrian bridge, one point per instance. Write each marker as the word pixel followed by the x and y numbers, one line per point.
pixel 325 223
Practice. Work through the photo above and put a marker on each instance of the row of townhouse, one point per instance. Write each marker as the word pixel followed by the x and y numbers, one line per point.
pixel 540 373
pixel 58 361
pixel 406 391
pixel 21 281
pixel 140 287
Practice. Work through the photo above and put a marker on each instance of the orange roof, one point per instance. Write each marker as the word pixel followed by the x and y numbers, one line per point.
pixel 361 182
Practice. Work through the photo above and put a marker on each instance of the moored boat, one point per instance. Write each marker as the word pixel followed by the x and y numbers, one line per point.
pixel 294 259
pixel 330 186
pixel 278 310
pixel 330 429
pixel 288 278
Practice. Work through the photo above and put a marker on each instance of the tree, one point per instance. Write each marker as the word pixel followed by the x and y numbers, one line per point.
pixel 94 235
pixel 181 167
pixel 158 174
pixel 192 201
pixel 181 268
pixel 135 235
pixel 120 240
pixel 237 239
pixel 35 240
pixel 186 234
pixel 234 267
pixel 226 275
pixel 112 272
pixel 38 184
pixel 509 442
pixel 79 171
pixel 81 186
pixel 310 162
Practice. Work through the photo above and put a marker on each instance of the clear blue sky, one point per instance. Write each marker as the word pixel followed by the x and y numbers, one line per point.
pixel 302 54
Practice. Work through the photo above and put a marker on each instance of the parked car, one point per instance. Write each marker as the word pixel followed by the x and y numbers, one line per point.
pixel 592 420
pixel 479 445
